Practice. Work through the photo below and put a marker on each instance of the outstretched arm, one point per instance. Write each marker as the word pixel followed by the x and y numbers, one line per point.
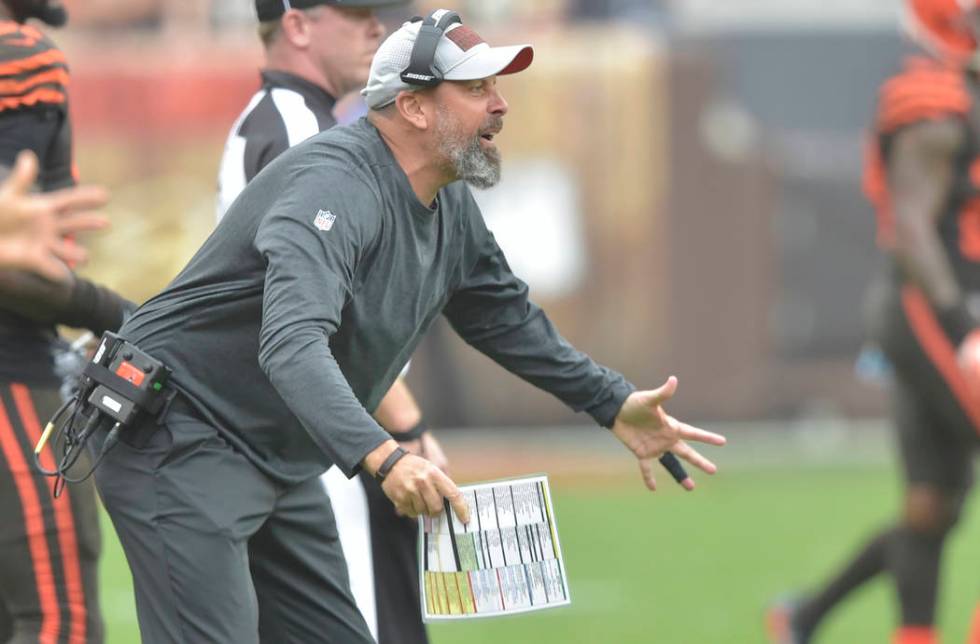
pixel 492 312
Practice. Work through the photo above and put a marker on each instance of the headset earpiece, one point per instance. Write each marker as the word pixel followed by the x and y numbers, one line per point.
pixel 421 68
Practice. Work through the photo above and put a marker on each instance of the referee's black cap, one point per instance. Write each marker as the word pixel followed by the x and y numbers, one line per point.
pixel 273 9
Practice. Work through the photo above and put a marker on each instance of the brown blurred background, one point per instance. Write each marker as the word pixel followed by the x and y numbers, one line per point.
pixel 681 184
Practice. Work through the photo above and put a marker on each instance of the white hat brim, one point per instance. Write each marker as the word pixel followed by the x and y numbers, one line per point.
pixel 493 61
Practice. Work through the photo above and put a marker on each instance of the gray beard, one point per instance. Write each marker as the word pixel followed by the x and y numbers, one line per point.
pixel 469 161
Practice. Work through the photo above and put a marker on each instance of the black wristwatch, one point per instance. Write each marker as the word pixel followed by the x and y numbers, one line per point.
pixel 389 463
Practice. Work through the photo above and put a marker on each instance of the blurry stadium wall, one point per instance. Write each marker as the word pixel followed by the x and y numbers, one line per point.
pixel 691 210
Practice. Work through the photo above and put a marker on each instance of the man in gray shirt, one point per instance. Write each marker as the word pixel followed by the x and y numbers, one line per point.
pixel 289 325
pixel 315 52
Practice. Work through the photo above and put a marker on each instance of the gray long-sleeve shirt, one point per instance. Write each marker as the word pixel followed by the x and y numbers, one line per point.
pixel 292 321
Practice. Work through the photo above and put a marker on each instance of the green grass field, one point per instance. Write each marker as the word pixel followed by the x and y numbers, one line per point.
pixel 676 568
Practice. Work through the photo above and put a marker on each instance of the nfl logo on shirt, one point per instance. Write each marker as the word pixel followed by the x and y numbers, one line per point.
pixel 324 220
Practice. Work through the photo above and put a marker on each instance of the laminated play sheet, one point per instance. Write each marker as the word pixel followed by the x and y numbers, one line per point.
pixel 507 560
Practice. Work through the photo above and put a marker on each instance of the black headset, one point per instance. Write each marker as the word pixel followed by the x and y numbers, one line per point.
pixel 421 68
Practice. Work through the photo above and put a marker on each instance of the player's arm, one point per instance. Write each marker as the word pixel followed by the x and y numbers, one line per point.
pixel 920 171
pixel 70 301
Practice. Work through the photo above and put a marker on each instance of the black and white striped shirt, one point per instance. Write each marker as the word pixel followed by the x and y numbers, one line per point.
pixel 285 111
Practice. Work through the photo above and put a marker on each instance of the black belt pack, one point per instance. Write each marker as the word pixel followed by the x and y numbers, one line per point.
pixel 124 380
pixel 118 385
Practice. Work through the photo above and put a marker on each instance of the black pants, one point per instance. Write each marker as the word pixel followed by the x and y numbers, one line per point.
pixel 381 551
pixel 49 548
pixel 394 545
pixel 221 553
pixel 937 417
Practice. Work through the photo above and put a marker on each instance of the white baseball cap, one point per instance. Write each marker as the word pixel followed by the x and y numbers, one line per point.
pixel 460 55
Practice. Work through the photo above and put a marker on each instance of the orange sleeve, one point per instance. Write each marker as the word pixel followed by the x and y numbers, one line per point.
pixel 32 69
pixel 924 90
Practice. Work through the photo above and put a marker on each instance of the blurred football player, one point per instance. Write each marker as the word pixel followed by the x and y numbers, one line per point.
pixel 923 177
pixel 50 548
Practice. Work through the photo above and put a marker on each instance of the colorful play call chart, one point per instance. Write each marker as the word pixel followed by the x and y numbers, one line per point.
pixel 507 560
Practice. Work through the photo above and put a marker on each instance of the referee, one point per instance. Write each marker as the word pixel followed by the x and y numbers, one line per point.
pixel 317 50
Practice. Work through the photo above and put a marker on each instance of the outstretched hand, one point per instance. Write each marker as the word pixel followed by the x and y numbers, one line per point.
pixel 649 432
pixel 33 226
